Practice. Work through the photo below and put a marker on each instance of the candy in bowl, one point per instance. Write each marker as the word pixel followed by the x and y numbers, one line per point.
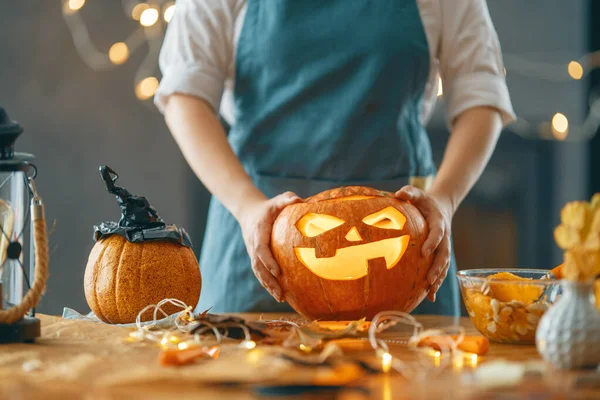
pixel 506 305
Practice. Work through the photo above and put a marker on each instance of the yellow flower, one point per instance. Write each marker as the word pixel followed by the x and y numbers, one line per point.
pixel 566 237
pixel 575 214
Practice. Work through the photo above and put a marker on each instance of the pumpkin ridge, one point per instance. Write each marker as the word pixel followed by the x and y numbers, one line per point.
pixel 140 272
pixel 182 271
pixel 325 296
pixel 98 310
pixel 366 293
pixel 117 280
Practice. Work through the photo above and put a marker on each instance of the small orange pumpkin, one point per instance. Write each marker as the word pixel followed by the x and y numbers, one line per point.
pixel 121 278
pixel 350 253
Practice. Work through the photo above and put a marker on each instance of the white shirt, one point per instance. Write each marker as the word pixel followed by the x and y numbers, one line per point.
pixel 199 52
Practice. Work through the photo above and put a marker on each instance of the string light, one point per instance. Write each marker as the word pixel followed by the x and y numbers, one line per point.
pixel 150 33
pixel 118 53
pixel 182 346
pixel 560 126
pixel 137 11
pixel 473 359
pixel 149 17
pixel 146 88
pixel 305 348
pixel 169 11
pixel 249 344
pixel 575 70
pixel 386 362
pixel 72 6
pixel 458 362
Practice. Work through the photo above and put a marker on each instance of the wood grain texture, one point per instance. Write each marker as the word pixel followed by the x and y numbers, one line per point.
pixel 87 359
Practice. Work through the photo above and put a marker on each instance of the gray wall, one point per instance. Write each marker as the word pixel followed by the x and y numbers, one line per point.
pixel 77 119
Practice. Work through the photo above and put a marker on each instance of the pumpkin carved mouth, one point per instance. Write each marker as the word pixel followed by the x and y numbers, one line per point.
pixel 352 262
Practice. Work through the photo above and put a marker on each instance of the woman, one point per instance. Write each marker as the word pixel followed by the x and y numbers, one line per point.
pixel 320 94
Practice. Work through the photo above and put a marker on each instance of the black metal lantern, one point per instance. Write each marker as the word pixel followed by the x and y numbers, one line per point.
pixel 21 210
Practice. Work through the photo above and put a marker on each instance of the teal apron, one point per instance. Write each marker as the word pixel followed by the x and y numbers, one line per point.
pixel 327 93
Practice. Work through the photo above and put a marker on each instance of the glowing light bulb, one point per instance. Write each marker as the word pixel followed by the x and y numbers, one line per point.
pixel 386 362
pixel 440 91
pixel 118 53
pixel 182 346
pixel 473 359
pixel 560 126
pixel 146 88
pixel 173 339
pixel 75 5
pixel 136 336
pixel 137 11
pixel 575 70
pixel 169 11
pixel 149 17
pixel 437 354
pixel 305 348
pixel 164 342
pixel 249 344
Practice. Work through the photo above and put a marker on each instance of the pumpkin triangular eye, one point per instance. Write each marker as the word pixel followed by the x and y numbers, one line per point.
pixel 388 218
pixel 312 224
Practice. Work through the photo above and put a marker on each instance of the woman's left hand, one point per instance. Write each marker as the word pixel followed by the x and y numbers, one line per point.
pixel 438 212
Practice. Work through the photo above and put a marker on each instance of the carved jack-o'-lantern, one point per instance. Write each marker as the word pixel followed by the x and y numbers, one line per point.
pixel 351 252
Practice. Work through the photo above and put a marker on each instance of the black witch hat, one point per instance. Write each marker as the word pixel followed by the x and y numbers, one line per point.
pixel 139 221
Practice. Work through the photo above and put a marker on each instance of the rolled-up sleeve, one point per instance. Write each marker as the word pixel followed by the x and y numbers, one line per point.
pixel 196 52
pixel 471 65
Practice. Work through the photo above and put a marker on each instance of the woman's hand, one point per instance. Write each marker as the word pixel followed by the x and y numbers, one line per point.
pixel 256 222
pixel 438 212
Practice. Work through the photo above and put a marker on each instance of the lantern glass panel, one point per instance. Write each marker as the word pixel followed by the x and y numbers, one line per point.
pixel 14 210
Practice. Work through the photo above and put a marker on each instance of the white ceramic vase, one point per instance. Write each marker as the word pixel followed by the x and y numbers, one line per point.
pixel 568 335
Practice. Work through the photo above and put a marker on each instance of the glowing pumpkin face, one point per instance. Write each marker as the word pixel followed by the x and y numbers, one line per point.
pixel 351 252
pixel 353 262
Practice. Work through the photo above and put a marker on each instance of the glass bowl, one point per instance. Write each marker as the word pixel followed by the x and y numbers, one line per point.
pixel 507 308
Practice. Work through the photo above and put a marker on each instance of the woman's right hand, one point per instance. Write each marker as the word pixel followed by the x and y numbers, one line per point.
pixel 256 221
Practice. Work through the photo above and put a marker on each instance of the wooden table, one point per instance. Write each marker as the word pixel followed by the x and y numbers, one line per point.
pixel 81 359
